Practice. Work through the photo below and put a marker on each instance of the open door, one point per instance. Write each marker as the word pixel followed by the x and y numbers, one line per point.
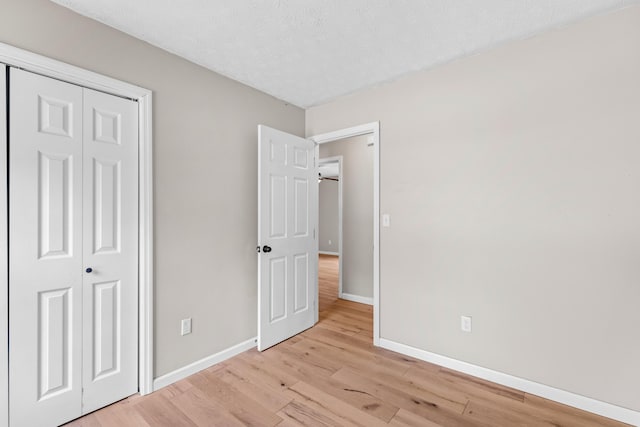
pixel 288 248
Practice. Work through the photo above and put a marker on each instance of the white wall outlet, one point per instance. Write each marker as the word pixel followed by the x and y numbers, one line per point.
pixel 465 323
pixel 185 326
pixel 386 220
pixel 329 241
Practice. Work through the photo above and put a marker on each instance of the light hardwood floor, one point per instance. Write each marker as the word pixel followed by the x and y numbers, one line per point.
pixel 332 375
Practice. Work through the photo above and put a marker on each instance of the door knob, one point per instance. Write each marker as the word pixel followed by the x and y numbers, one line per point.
pixel 266 249
pixel 89 270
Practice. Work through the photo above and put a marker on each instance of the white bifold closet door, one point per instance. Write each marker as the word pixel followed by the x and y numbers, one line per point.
pixel 73 251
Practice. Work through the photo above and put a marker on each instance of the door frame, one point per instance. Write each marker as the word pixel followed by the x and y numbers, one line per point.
pixel 372 129
pixel 47 67
pixel 338 160
pixel 4 266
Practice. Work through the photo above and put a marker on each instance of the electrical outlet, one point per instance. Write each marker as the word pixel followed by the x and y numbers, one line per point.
pixel 186 326
pixel 329 241
pixel 465 323
pixel 386 220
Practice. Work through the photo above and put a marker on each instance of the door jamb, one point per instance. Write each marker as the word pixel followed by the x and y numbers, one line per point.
pixel 39 64
pixel 338 160
pixel 4 265
pixel 372 129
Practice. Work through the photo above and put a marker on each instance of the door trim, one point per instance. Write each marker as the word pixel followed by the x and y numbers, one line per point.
pixel 4 265
pixel 338 160
pixel 39 64
pixel 372 129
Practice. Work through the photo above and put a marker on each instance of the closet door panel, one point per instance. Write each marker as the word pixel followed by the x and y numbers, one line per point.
pixel 110 230
pixel 45 260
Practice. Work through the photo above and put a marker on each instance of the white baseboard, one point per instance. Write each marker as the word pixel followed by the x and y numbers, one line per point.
pixel 581 402
pixel 356 298
pixel 201 364
pixel 329 253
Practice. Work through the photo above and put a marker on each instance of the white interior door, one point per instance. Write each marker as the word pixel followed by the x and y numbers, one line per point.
pixel 45 256
pixel 110 249
pixel 287 218
pixel 73 250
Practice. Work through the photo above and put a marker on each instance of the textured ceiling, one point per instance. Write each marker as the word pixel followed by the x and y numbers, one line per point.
pixel 307 52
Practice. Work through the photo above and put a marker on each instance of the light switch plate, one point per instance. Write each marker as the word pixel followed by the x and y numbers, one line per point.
pixel 186 326
pixel 465 323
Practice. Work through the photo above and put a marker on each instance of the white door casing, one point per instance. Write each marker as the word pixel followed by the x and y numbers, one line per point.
pixel 4 245
pixel 372 129
pixel 287 217
pixel 73 205
pixel 45 260
pixel 110 249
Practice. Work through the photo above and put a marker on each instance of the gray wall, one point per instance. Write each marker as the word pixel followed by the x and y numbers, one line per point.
pixel 328 217
pixel 357 213
pixel 205 133
pixel 513 182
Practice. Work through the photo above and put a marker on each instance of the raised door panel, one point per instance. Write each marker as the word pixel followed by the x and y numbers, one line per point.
pixel 301 282
pixel 278 207
pixel 55 340
pixel 110 249
pixel 55 116
pixel 301 207
pixel 107 209
pixel 278 289
pixel 45 221
pixel 55 228
pixel 106 329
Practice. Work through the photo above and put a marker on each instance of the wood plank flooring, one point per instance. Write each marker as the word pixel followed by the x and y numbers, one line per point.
pixel 331 375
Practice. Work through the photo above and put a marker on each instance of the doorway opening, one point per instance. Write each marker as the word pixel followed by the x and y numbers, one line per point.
pixel 329 231
pixel 288 260
pixel 348 219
